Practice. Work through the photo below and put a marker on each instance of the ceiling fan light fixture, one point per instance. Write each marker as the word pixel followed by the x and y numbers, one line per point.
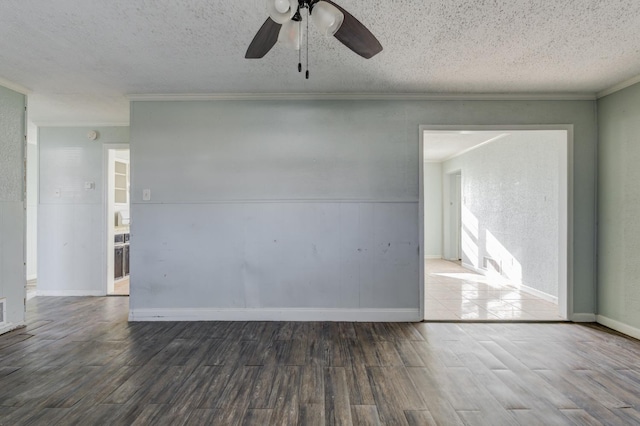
pixel 281 11
pixel 290 35
pixel 327 18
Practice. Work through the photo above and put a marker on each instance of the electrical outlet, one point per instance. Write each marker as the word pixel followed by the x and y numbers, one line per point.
pixel 146 195
pixel 56 192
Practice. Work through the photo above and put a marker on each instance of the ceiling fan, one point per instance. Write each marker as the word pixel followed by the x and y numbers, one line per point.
pixel 284 24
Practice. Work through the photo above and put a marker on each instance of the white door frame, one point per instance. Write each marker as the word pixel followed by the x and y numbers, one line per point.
pixel 565 243
pixel 107 229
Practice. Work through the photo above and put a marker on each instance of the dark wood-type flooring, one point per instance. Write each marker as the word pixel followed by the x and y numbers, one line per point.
pixel 80 362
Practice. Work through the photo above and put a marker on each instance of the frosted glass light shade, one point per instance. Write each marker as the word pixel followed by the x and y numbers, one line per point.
pixel 281 11
pixel 289 35
pixel 327 18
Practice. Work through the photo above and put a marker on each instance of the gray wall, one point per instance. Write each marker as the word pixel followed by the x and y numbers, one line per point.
pixel 71 258
pixel 619 207
pixel 32 202
pixel 512 189
pixel 12 214
pixel 432 174
pixel 307 204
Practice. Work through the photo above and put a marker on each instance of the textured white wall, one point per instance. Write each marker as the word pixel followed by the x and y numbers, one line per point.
pixel 511 211
pixel 619 210
pixel 225 177
pixel 12 216
pixel 432 173
pixel 70 226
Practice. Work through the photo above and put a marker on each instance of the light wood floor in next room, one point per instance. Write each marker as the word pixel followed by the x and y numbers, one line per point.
pixel 79 362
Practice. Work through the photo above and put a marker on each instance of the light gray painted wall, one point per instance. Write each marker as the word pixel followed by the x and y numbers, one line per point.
pixel 32 202
pixel 619 206
pixel 432 173
pixel 247 197
pixel 12 215
pixel 70 226
pixel 511 192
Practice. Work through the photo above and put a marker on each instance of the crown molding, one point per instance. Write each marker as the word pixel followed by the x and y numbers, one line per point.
pixel 363 96
pixel 14 86
pixel 80 124
pixel 619 87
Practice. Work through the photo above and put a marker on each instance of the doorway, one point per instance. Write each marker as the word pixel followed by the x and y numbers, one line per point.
pixel 499 248
pixel 117 220
pixel 453 231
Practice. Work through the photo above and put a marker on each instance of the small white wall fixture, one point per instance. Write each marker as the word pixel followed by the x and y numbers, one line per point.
pixel 565 213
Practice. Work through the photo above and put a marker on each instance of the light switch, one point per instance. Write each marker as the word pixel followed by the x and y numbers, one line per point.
pixel 89 185
pixel 146 195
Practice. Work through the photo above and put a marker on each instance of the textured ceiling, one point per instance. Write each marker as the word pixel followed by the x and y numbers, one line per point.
pixel 84 55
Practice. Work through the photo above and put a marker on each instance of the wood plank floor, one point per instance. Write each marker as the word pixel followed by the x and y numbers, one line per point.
pixel 80 362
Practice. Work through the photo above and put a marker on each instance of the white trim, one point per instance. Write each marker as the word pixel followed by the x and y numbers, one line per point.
pixel 471 267
pixel 619 326
pixel 11 326
pixel 281 201
pixel 522 287
pixel 618 87
pixel 32 277
pixel 537 293
pixel 421 237
pixel 81 123
pixel 69 293
pixel 14 86
pixel 589 96
pixel 583 317
pixel 432 256
pixel 275 314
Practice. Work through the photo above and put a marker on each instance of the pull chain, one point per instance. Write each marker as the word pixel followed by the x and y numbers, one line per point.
pixel 307 73
pixel 299 47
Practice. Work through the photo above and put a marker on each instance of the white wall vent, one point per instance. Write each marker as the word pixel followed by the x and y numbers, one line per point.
pixel 491 264
pixel 3 312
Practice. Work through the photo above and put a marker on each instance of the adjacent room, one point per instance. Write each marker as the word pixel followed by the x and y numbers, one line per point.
pixel 495 224
pixel 308 212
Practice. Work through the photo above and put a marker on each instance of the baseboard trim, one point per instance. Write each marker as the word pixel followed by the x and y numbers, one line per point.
pixel 539 294
pixel 10 327
pixel 583 317
pixel 433 256
pixel 33 277
pixel 525 288
pixel 284 314
pixel 619 326
pixel 70 293
pixel 472 268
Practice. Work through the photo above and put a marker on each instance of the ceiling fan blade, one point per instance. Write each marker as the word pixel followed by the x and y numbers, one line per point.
pixel 264 40
pixel 356 36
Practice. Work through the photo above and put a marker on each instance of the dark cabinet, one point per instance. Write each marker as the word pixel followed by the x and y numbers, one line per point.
pixel 121 256
pixel 118 262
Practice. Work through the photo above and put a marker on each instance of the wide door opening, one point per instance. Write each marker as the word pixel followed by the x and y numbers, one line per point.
pixel 495 212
